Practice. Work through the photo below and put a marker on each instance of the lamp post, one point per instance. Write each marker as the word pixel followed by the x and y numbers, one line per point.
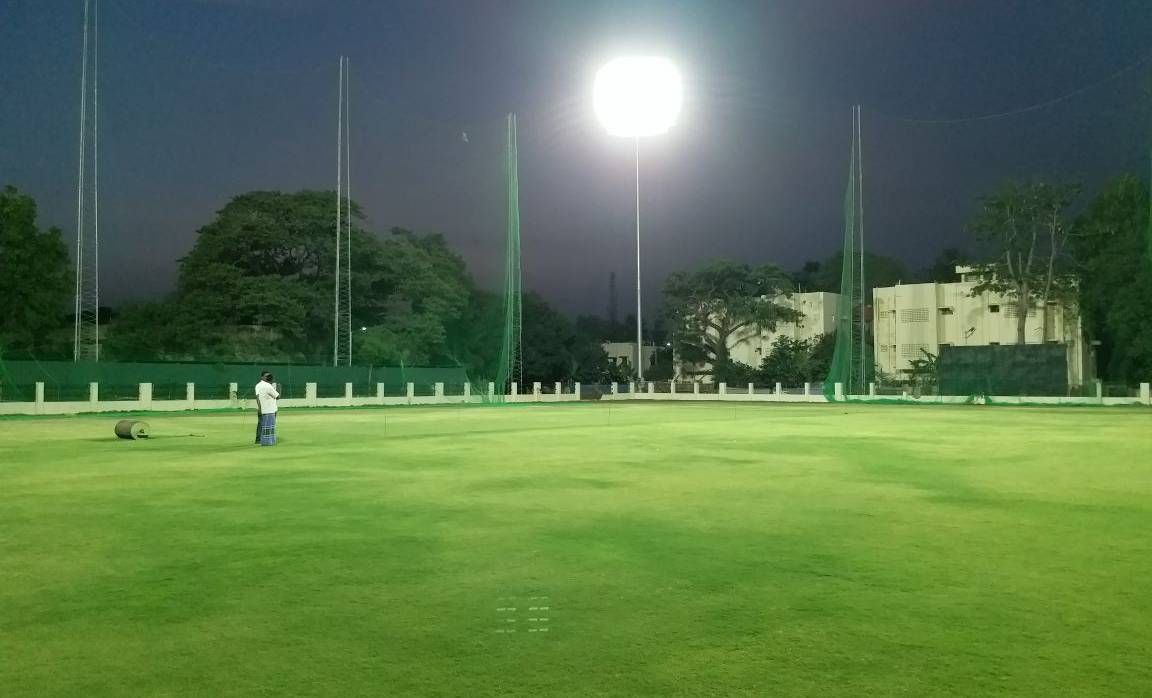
pixel 637 97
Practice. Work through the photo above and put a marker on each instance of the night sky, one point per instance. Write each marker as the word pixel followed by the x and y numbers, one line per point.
pixel 205 99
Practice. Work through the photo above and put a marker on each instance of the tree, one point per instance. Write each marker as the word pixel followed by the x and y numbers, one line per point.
pixel 789 362
pixel 259 282
pixel 1025 225
pixel 1110 246
pixel 35 281
pixel 554 350
pixel 717 305
pixel 879 271
pixel 943 268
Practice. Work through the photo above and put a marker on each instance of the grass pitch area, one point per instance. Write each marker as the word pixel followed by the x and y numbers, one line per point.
pixel 635 549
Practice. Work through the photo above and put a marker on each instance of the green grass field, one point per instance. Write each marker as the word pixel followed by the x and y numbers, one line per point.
pixel 680 549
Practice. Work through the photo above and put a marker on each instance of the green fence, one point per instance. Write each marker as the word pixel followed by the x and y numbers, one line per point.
pixel 68 381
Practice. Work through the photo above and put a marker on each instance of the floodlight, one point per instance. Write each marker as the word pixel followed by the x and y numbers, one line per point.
pixel 637 96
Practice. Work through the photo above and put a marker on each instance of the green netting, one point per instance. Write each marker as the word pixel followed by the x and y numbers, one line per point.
pixel 850 360
pixel 509 366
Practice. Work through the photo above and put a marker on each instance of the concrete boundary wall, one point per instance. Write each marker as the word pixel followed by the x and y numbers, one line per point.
pixel 474 395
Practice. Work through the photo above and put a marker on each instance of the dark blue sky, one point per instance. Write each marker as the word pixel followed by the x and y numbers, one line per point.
pixel 204 99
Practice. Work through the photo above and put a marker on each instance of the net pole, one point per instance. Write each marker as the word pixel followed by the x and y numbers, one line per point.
pixel 76 321
pixel 348 203
pixel 639 320
pixel 860 223
pixel 339 181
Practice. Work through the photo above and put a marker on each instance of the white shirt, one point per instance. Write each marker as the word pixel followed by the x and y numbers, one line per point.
pixel 266 397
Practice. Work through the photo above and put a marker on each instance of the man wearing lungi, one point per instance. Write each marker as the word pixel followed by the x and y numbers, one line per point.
pixel 266 397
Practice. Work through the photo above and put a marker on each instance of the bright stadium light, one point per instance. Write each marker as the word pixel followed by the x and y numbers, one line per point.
pixel 638 96
pixel 635 97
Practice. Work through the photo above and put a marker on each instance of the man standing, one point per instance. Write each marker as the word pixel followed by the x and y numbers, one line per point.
pixel 266 397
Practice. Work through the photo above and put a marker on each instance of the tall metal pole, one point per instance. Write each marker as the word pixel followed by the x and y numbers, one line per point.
pixel 639 319
pixel 339 181
pixel 78 305
pixel 860 222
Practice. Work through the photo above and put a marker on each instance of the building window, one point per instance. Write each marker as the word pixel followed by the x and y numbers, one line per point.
pixel 946 311
pixel 993 308
pixel 993 344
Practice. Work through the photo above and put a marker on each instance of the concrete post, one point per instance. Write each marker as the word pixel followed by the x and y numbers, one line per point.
pixel 380 393
pixel 1099 389
pixel 751 388
pixel 439 390
pixel 672 387
pixel 536 391
pixel 1146 393
pixel 39 395
pixel 515 389
pixel 695 387
pixel 310 394
pixel 839 391
pixel 615 388
pixel 467 391
pixel 190 394
pixel 348 393
pixel 807 389
pixel 491 390
pixel 145 396
pixel 723 389
pixel 779 389
pixel 558 391
pixel 576 390
pixel 234 394
pixel 94 393
pixel 411 392
pixel 651 388
pixel 872 389
pixel 632 387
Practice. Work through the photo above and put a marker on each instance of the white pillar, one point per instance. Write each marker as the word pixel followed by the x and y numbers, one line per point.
pixel 1099 389
pixel 672 387
pixel 411 392
pixel 491 389
pixel 348 393
pixel 1146 393
pixel 515 389
pixel 779 389
pixel 190 393
pixel 39 394
pixel 695 387
pixel 632 387
pixel 536 390
pixel 234 394
pixel 872 389
pixel 651 388
pixel 723 389
pixel 576 390
pixel 380 393
pixel 310 394
pixel 439 390
pixel 839 391
pixel 94 393
pixel 467 391
pixel 615 388
pixel 145 396
pixel 751 389
pixel 807 389
pixel 558 392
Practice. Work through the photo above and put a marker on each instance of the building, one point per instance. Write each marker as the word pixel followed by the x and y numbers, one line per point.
pixel 755 344
pixel 911 319
pixel 624 354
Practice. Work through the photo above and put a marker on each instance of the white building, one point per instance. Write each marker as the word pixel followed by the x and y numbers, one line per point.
pixel 624 354
pixel 753 345
pixel 910 319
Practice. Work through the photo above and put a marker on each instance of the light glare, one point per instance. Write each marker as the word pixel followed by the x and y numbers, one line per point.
pixel 637 96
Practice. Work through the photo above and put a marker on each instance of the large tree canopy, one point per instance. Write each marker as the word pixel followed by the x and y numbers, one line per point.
pixel 35 281
pixel 1110 243
pixel 713 307
pixel 258 285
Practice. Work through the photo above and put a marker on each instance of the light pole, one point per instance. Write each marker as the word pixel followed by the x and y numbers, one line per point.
pixel 635 97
